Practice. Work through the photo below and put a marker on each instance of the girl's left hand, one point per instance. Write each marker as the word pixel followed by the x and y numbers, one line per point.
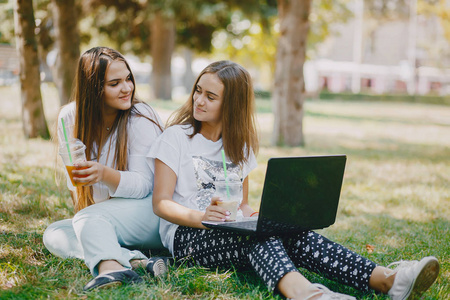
pixel 88 172
pixel 215 213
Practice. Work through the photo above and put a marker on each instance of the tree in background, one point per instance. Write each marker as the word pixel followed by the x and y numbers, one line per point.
pixel 126 26
pixel 135 26
pixel 289 86
pixel 157 28
pixel 56 30
pixel 143 28
pixel 67 37
pixel 253 41
pixel 192 25
pixel 33 117
pixel 162 45
pixel 160 27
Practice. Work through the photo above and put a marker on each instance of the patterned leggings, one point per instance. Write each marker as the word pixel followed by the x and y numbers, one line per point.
pixel 273 257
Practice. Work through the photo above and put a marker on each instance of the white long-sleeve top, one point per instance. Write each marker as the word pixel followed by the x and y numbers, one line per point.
pixel 137 181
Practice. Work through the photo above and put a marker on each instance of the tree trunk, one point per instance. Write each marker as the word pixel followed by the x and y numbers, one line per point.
pixel 65 15
pixel 33 117
pixel 189 78
pixel 162 46
pixel 288 92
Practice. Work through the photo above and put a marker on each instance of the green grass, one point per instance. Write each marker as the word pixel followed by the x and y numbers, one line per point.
pixel 395 197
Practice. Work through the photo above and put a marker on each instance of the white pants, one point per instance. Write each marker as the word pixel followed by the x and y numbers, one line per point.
pixel 106 231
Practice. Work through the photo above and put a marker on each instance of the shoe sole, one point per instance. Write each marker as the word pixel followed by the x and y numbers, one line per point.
pixel 158 268
pixel 105 286
pixel 424 280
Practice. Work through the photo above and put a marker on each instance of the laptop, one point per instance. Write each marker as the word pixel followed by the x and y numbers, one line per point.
pixel 299 194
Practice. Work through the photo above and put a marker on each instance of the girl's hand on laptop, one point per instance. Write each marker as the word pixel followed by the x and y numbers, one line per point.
pixel 216 213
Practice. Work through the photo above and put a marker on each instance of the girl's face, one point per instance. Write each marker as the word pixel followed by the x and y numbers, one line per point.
pixel 208 99
pixel 118 88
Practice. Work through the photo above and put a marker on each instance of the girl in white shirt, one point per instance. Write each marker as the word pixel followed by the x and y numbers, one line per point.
pixel 114 206
pixel 187 160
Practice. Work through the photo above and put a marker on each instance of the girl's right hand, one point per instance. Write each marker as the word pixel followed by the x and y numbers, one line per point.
pixel 216 213
pixel 88 172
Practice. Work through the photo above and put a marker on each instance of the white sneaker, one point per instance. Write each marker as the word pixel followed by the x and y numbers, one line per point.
pixel 327 294
pixel 413 278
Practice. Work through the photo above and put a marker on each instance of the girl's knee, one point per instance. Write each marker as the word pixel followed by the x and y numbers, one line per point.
pixel 59 238
pixel 54 230
pixel 48 236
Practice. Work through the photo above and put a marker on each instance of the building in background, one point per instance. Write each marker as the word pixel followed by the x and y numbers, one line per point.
pixel 395 57
pixel 9 65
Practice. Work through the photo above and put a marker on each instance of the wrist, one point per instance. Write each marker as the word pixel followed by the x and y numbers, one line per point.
pixel 110 177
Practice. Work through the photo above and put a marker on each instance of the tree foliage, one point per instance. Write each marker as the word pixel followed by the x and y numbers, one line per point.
pixel 253 40
pixel 6 22
pixel 437 8
pixel 127 23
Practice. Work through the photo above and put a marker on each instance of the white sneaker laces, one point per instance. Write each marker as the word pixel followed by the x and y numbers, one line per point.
pixel 403 264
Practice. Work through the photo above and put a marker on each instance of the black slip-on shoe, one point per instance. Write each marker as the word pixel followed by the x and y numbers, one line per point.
pixel 113 279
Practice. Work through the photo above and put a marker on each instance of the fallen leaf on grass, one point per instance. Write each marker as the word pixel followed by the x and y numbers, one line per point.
pixel 370 248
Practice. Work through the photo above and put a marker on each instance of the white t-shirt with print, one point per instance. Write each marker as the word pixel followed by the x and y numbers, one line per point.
pixel 197 162
pixel 137 181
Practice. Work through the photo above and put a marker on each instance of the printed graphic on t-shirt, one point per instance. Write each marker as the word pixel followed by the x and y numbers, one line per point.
pixel 206 172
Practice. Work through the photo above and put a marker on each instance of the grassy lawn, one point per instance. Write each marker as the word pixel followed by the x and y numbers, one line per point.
pixel 395 197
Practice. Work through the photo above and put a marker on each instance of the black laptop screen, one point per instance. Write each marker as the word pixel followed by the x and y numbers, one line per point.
pixel 302 192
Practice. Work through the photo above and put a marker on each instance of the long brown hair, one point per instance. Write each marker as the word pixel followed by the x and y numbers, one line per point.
pixel 89 122
pixel 239 134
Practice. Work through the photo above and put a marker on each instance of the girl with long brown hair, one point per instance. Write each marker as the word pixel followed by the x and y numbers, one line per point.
pixel 113 189
pixel 187 161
